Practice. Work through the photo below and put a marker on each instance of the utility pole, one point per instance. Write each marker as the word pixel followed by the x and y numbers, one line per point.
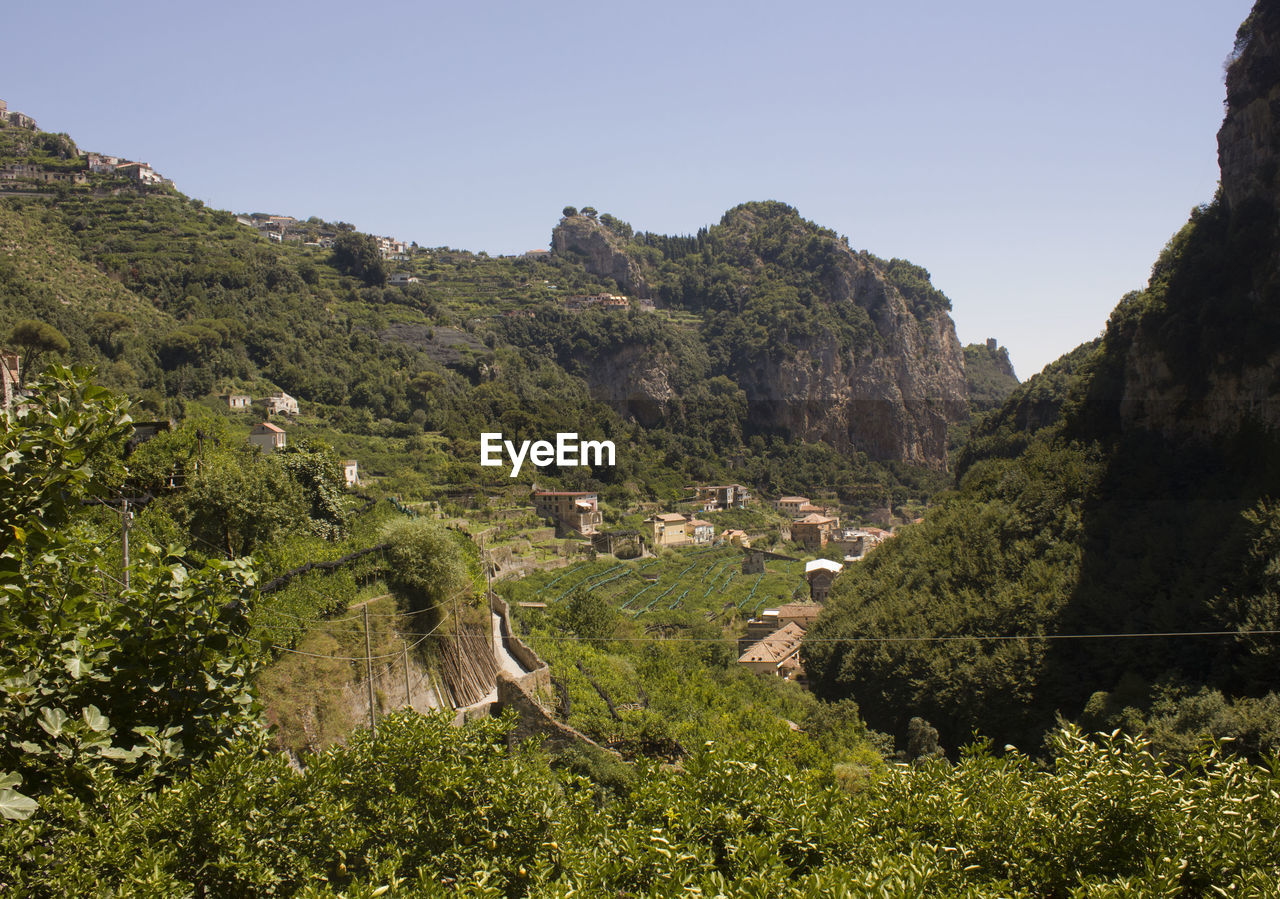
pixel 408 700
pixel 368 670
pixel 124 538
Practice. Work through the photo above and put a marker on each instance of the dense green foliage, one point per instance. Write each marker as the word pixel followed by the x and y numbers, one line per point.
pixel 430 810
pixel 990 376
pixel 147 676
pixel 1078 514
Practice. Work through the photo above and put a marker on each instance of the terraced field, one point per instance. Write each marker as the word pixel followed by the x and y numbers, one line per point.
pixel 682 588
pixel 662 674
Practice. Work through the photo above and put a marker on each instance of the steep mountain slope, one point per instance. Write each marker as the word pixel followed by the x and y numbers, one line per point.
pixel 989 374
pixel 1128 489
pixel 826 343
pixel 833 358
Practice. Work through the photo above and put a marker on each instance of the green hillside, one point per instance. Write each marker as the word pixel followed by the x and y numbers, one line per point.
pixel 1129 489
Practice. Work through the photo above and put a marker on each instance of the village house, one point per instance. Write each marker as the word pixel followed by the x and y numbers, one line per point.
pixel 351 472
pixel 857 542
pixel 669 529
pixel 735 537
pixel 267 436
pixel 728 496
pixel 282 404
pixel 754 559
pixel 803 614
pixel 625 544
pixel 790 505
pixel 140 172
pixel 777 654
pixel 392 250
pixel 576 510
pixel 600 300
pixel 400 279
pixel 101 164
pixel 700 532
pixel 820 573
pixel 16 119
pixel 238 402
pixel 813 530
pixel 40 175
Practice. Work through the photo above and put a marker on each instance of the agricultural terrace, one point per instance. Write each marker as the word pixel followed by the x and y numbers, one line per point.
pixel 643 653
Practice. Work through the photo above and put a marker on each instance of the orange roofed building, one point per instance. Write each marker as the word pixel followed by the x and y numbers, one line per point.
pixel 777 654
pixel 576 510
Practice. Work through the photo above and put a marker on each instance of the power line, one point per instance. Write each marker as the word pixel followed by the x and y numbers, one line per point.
pixel 923 639
pixel 422 638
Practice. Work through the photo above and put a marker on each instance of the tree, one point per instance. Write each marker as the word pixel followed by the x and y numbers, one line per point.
pixel 241 502
pixel 357 254
pixel 569 212
pixel 36 338
pixel 93 674
pixel 426 561
pixel 589 211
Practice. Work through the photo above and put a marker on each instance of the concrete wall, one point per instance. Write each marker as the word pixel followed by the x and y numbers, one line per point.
pixel 531 694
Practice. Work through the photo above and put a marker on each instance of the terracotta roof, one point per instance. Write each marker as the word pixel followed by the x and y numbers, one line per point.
pixel 815 518
pixel 563 493
pixel 777 646
pixel 268 426
pixel 805 610
pixel 793 499
pixel 698 522
pixel 669 516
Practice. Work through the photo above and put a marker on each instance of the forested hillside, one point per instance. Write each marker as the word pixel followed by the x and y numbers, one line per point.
pixel 1129 489
pixel 176 303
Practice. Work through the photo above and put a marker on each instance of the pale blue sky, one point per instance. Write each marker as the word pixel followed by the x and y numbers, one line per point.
pixel 1033 157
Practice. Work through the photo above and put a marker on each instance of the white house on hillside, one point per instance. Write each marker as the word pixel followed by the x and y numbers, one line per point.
pixel 267 436
pixel 282 404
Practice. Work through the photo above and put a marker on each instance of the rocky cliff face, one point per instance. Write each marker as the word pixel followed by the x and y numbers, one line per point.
pixel 891 396
pixel 601 250
pixel 1220 306
pixel 894 401
pixel 635 381
pixel 1249 140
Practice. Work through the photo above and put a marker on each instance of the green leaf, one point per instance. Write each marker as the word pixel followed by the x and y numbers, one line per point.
pixel 95 719
pixel 51 720
pixel 15 806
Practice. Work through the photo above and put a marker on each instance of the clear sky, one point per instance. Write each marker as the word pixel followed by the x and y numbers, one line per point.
pixel 1034 157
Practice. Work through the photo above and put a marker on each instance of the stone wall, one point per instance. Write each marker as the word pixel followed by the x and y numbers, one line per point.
pixel 530 694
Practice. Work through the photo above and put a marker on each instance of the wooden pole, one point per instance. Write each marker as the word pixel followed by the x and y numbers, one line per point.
pixel 124 538
pixel 368 670
pixel 408 700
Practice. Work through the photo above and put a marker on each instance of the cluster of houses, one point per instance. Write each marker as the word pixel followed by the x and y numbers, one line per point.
pixel 771 645
pixel 392 250
pixel 100 164
pixel 276 403
pixel 270 437
pixel 96 163
pixel 605 301
pixel 16 119
pixel 817 527
pixel 279 228
pixel 674 529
